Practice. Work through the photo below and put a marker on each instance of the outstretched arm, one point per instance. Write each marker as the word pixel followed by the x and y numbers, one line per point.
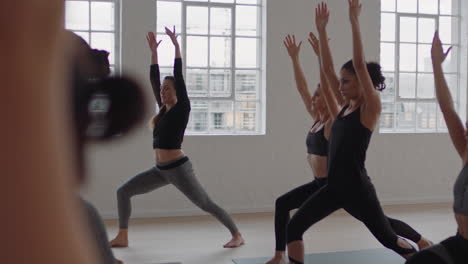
pixel 454 123
pixel 371 96
pixel 329 96
pixel 181 89
pixel 321 20
pixel 301 83
pixel 154 69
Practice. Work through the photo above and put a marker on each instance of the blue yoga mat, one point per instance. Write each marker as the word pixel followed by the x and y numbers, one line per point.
pixel 367 256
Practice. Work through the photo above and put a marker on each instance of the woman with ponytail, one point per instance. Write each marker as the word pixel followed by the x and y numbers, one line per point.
pixel 172 165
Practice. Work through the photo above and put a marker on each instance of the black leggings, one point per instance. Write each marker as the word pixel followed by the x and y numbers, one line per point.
pixel 360 201
pixel 296 197
pixel 453 250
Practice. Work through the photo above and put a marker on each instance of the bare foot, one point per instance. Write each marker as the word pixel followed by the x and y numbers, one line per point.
pixel 424 243
pixel 121 240
pixel 277 260
pixel 235 242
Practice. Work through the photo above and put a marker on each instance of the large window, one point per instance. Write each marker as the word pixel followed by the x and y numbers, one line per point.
pixel 96 21
pixel 221 44
pixel 407 28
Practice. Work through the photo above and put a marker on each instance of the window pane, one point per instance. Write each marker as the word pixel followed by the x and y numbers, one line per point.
pixel 408 29
pixel 248 1
pixel 448 30
pixel 424 58
pixel 246 53
pixel 198 122
pixel 168 15
pixel 247 84
pixel 221 116
pixel 247 20
pixel 222 1
pixel 426 114
pixel 247 114
pixel 197 82
pixel 446 7
pixel 388 95
pixel 220 21
pixel 387 117
pixel 407 6
pixel 387 56
pixel 163 72
pixel 451 64
pixel 426 29
pixel 387 5
pixel 104 41
pixel 426 86
pixel 197 51
pixel 197 20
pixel 220 83
pixel 428 7
pixel 102 16
pixel 405 116
pixel 77 15
pixel 387 31
pixel 407 87
pixel 84 35
pixel 407 57
pixel 165 51
pixel 220 52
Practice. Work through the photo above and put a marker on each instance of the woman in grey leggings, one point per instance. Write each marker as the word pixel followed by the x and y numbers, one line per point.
pixel 173 167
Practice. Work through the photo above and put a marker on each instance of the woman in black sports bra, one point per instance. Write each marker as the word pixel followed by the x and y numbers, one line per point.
pixel 317 155
pixel 348 185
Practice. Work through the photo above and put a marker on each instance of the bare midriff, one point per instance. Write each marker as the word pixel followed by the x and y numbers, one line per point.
pixel 318 164
pixel 166 155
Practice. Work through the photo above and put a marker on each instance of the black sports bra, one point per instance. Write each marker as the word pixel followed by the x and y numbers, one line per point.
pixel 316 142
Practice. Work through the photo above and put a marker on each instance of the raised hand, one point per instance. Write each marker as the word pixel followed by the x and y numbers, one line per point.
pixel 291 46
pixel 314 42
pixel 172 35
pixel 437 52
pixel 152 43
pixel 354 10
pixel 321 16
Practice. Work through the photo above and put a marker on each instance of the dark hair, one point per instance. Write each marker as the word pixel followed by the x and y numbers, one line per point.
pixel 375 72
pixel 162 110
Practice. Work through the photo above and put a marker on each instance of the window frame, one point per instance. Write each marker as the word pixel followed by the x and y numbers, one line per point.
pixel 260 99
pixel 117 65
pixel 397 99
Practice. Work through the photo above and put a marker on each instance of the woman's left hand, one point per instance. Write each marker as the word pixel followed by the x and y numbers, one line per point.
pixel 172 35
pixel 354 10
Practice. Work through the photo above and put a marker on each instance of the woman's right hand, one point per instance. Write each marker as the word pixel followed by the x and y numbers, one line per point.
pixel 291 46
pixel 437 51
pixel 321 16
pixel 152 43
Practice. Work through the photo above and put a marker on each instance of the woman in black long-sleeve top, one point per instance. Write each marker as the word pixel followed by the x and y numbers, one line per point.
pixel 173 167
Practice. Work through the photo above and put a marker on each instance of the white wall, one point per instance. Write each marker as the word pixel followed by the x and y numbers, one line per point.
pixel 247 173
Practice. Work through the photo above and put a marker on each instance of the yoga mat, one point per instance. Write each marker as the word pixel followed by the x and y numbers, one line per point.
pixel 367 256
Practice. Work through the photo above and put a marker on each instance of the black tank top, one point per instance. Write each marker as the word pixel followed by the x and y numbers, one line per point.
pixel 316 142
pixel 349 141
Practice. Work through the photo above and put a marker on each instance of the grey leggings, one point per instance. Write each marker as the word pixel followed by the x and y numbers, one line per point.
pixel 181 177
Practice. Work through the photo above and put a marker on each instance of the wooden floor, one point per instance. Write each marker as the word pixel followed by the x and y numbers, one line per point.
pixel 193 240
